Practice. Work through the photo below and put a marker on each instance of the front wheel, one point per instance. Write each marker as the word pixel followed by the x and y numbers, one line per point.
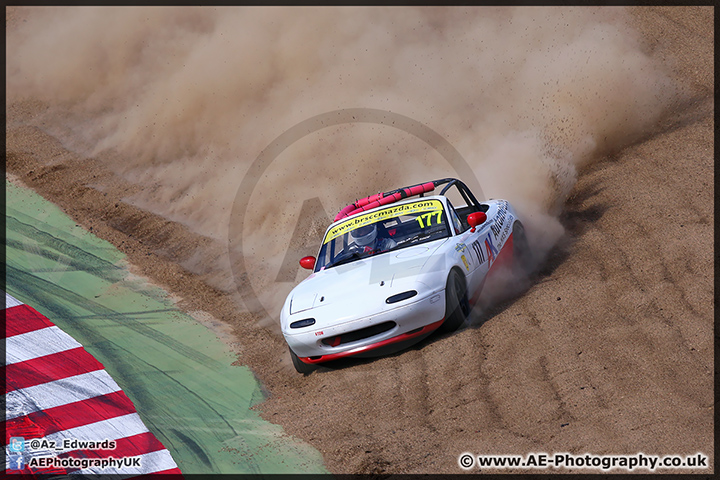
pixel 299 365
pixel 457 306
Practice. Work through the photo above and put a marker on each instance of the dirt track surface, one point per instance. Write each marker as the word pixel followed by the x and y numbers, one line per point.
pixel 610 351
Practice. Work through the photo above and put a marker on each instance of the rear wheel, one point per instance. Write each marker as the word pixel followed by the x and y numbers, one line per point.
pixel 300 366
pixel 522 256
pixel 457 306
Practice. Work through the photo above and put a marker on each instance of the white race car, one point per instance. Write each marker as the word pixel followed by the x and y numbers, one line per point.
pixel 394 267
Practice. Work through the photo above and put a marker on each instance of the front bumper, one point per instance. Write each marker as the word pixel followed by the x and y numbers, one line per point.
pixel 411 321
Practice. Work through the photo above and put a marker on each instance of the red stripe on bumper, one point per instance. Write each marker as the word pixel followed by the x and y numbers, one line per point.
pixel 388 341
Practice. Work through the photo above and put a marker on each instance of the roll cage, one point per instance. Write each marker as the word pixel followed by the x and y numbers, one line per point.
pixel 471 203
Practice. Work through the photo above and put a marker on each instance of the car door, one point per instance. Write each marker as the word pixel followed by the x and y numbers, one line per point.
pixel 472 250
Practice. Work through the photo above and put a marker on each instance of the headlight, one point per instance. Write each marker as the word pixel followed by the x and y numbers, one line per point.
pixel 306 322
pixel 401 296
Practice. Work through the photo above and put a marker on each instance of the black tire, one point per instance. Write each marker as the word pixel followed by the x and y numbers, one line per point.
pixel 522 255
pixel 457 306
pixel 300 366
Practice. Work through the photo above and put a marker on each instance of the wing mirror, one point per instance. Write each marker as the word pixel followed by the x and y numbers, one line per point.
pixel 307 262
pixel 475 219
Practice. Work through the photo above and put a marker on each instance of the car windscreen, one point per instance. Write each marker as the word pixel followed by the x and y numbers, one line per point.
pixel 391 228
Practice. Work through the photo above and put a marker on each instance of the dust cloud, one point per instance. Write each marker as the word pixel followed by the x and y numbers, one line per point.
pixel 181 100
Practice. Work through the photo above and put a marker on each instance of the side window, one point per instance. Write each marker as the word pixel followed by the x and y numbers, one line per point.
pixel 457 224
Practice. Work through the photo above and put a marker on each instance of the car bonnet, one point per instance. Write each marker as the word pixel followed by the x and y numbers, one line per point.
pixel 358 284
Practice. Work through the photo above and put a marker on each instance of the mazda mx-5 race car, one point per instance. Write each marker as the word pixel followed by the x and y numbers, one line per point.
pixel 396 266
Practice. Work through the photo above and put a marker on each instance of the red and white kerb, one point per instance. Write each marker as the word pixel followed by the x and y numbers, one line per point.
pixel 56 390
